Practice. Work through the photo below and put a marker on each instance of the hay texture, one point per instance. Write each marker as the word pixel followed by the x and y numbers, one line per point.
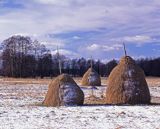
pixel 63 91
pixel 91 78
pixel 127 84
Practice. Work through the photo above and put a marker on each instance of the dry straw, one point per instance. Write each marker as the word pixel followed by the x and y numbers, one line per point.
pixel 63 91
pixel 127 84
pixel 91 78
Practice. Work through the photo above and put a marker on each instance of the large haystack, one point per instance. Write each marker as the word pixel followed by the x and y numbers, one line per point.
pixel 127 84
pixel 63 91
pixel 91 78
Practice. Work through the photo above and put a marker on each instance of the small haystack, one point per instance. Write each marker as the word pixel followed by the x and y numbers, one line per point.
pixel 127 84
pixel 63 91
pixel 91 78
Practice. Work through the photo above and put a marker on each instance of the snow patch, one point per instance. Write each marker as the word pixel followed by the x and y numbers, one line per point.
pixel 129 73
pixel 68 93
pixel 131 88
pixel 92 78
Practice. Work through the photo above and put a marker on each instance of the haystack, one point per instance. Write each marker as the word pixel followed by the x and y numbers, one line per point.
pixel 91 78
pixel 127 84
pixel 63 91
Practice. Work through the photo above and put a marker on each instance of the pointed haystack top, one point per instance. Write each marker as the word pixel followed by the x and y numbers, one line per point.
pixel 127 84
pixel 126 60
pixel 62 91
pixel 91 70
pixel 64 78
pixel 91 78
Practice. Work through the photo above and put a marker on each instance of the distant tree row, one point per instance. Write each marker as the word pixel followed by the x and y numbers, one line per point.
pixel 22 57
pixel 151 67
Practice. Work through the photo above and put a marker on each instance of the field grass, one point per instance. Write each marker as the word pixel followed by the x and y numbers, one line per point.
pixel 152 82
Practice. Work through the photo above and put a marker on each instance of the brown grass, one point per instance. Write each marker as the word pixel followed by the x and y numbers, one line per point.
pixel 94 101
pixel 152 82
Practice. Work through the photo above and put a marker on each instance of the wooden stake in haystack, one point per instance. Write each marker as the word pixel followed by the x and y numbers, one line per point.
pixel 63 90
pixel 91 63
pixel 125 52
pixel 127 84
pixel 91 77
pixel 92 87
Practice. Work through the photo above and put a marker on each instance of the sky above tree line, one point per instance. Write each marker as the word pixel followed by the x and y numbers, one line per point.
pixel 85 28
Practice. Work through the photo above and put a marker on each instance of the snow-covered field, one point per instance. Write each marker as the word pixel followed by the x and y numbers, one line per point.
pixel 18 110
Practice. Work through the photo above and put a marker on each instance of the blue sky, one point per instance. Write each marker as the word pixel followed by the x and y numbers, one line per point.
pixel 85 28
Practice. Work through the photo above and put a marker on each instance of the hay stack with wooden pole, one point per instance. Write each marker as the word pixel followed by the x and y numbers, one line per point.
pixel 127 84
pixel 91 77
pixel 63 91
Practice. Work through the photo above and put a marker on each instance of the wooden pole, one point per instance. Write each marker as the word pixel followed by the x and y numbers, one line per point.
pixel 125 52
pixel 91 63
pixel 59 61
pixel 60 71
pixel 92 92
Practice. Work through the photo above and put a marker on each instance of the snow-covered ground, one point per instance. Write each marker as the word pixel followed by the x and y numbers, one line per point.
pixel 99 117
pixel 18 111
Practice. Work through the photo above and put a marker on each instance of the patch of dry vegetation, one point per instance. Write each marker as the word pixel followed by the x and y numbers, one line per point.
pixel 4 80
pixel 92 100
pixel 29 92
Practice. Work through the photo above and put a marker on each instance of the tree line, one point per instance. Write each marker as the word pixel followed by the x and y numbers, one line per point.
pixel 22 57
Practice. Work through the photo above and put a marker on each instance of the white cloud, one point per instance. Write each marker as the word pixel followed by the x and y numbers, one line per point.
pixel 93 47
pixel 137 38
pixel 76 37
pixel 53 45
pixel 66 53
pixel 54 2
pixel 113 47
pixel 97 47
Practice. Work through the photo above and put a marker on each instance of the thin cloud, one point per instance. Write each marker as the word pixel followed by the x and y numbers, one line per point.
pixel 107 48
pixel 138 38
pixel 66 53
